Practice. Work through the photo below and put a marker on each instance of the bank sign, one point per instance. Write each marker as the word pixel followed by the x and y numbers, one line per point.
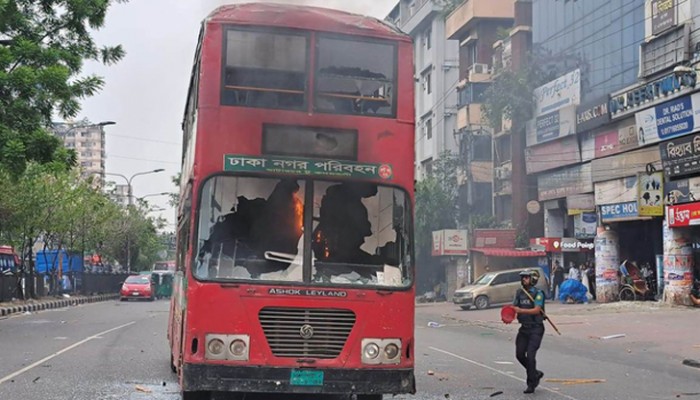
pixel 619 211
pixel 674 118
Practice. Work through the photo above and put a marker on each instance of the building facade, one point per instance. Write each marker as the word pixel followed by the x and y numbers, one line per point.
pixel 436 72
pixel 88 141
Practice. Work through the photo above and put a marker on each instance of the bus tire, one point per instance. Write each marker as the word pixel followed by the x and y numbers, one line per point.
pixel 196 396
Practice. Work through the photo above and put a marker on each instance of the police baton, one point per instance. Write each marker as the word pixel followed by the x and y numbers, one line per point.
pixel 543 314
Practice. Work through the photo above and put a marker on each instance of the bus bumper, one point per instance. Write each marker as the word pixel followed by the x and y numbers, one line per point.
pixel 223 378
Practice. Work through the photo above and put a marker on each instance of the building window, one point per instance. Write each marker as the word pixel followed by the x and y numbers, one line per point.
pixel 428 128
pixel 427 166
pixel 427 82
pixel 481 148
pixel 428 39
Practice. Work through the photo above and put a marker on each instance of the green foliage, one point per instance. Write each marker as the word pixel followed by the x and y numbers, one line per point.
pixel 43 47
pixel 448 6
pixel 436 203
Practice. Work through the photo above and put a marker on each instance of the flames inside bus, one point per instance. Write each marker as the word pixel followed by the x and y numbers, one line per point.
pixel 254 229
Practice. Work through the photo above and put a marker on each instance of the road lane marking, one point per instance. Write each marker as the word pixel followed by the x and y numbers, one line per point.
pixel 504 373
pixel 58 353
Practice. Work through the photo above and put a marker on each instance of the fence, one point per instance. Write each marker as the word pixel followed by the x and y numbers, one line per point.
pixel 81 283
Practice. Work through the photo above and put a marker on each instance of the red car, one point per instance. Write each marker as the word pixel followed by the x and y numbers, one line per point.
pixel 137 287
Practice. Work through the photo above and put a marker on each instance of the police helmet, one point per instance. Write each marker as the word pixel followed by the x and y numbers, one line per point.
pixel 533 274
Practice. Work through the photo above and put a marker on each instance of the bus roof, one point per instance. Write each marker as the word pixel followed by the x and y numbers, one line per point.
pixel 305 17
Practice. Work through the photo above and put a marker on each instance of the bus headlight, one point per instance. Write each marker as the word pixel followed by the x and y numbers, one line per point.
pixel 371 351
pixel 239 349
pixel 215 347
pixel 391 351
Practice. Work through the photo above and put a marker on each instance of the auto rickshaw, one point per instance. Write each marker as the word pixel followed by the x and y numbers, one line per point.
pixel 162 283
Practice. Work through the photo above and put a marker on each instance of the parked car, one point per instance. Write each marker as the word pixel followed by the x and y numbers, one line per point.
pixel 497 287
pixel 137 287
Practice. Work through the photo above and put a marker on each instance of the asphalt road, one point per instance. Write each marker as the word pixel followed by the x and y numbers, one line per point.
pixel 118 350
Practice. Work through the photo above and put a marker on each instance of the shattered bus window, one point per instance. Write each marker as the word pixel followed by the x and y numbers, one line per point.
pixel 350 84
pixel 251 228
pixel 360 235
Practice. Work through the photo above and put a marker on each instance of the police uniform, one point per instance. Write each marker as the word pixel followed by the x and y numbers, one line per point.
pixel 530 334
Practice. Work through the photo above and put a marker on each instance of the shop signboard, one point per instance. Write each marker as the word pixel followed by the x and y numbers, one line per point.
pixel 682 191
pixel 619 211
pixel 616 191
pixel 551 126
pixel 580 203
pixel 565 182
pixel 626 164
pixel 573 245
pixel 450 242
pixel 651 194
pixel 670 85
pixel 587 146
pixel 559 93
pixel 592 114
pixel 663 15
pixel 681 156
pixel 671 119
pixel 616 141
pixel 499 238
pixel 545 244
pixel 539 158
pixel 585 225
pixel 683 215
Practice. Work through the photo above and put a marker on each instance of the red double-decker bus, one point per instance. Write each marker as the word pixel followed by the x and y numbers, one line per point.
pixel 295 267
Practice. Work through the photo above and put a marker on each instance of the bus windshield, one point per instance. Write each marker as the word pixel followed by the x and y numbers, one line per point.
pixel 253 229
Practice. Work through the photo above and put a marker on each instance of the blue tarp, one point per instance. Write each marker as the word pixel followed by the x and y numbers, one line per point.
pixel 48 261
pixel 574 289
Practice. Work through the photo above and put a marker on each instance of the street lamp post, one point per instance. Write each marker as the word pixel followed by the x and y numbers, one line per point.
pixel 130 195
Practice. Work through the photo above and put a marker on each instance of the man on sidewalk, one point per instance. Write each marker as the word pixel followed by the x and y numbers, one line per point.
pixel 529 306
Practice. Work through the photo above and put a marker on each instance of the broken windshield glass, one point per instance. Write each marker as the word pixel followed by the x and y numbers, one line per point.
pixel 355 77
pixel 253 229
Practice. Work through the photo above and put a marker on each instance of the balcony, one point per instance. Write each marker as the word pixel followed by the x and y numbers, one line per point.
pixel 469 115
pixel 461 19
pixel 417 13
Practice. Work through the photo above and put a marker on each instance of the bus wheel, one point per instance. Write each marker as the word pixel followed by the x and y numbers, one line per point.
pixel 173 368
pixel 195 396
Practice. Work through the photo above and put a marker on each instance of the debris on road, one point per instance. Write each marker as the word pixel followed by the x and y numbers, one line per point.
pixel 504 362
pixel 431 373
pixel 619 335
pixel 36 379
pixel 143 389
pixel 691 363
pixel 433 324
pixel 574 381
pixel 494 394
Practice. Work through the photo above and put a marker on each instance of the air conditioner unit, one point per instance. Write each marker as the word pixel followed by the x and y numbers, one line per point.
pixel 479 68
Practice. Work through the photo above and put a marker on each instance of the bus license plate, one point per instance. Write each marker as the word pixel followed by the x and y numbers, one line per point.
pixel 306 377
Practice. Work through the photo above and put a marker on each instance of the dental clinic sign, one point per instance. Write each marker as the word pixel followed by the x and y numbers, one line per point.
pixel 559 93
pixel 668 120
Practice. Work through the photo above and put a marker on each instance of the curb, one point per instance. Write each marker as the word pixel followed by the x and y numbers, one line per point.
pixel 53 304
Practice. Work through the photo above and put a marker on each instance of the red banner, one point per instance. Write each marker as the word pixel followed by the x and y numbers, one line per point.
pixel 683 214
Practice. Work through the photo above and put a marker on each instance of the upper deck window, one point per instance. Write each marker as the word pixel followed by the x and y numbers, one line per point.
pixel 265 69
pixel 355 77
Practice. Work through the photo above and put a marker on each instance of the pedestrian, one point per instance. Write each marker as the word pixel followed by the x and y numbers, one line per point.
pixel 591 278
pixel 557 278
pixel 574 272
pixel 529 306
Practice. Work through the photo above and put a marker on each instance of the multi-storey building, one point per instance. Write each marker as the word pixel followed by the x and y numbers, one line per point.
pixel 476 25
pixel 88 141
pixel 436 73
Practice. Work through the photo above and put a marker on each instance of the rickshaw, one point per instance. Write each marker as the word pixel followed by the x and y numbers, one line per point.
pixel 632 285
pixel 162 284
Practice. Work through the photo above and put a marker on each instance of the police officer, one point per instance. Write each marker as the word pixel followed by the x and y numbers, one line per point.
pixel 530 316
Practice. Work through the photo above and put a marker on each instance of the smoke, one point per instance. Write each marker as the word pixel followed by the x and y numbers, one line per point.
pixel 375 8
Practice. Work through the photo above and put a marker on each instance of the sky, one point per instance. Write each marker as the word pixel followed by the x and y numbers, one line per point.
pixel 145 92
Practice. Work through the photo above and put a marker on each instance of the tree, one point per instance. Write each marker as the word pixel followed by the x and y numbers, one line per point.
pixel 43 47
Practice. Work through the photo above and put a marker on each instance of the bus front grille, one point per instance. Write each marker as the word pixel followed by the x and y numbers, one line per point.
pixel 306 332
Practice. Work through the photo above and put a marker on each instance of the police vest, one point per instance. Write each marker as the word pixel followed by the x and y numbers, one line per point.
pixel 523 301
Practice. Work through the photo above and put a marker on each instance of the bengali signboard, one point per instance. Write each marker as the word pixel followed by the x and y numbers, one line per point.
pixel 651 194
pixel 450 242
pixel 565 182
pixel 663 15
pixel 683 215
pixel 616 141
pixel 681 156
pixel 559 93
pixel 673 118
pixel 303 166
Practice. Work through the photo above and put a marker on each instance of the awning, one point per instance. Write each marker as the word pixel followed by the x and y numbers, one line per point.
pixel 500 252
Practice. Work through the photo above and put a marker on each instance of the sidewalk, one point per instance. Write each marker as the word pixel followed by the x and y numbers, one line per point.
pixel 632 326
pixel 48 303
